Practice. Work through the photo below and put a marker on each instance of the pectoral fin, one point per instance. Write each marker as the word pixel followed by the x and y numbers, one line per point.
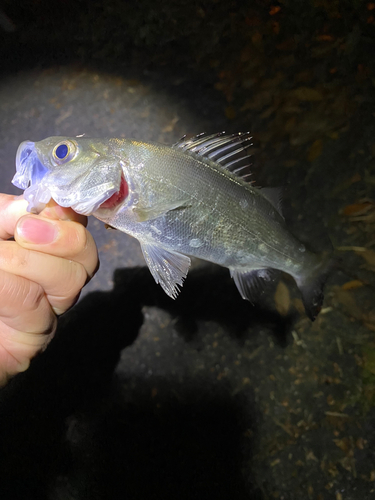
pixel 169 269
pixel 148 213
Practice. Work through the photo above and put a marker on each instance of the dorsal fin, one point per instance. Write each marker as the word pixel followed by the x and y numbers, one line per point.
pixel 274 196
pixel 229 151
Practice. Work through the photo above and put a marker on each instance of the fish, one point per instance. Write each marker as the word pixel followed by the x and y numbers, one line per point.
pixel 191 199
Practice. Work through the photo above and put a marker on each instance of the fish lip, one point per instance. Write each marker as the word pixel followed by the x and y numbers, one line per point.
pixel 25 156
pixel 29 173
pixel 93 205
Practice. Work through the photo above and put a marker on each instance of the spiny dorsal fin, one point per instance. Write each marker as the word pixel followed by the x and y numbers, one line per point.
pixel 229 151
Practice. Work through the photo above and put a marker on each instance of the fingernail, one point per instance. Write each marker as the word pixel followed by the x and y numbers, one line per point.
pixel 37 231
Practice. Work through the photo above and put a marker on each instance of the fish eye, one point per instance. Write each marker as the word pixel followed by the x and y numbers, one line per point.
pixel 64 151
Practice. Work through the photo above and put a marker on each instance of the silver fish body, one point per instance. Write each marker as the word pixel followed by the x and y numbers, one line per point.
pixel 177 201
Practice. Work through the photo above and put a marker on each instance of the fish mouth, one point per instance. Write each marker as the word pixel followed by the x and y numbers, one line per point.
pixel 116 198
pixel 29 173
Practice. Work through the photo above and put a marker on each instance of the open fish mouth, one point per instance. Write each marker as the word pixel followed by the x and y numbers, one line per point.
pixel 117 197
pixel 108 197
pixel 29 175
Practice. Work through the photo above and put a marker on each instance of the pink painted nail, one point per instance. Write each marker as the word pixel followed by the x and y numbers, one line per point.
pixel 37 231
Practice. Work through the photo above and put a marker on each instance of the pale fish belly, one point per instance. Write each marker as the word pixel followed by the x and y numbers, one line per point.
pixel 221 242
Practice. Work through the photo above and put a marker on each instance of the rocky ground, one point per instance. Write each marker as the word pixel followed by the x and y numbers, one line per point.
pixel 207 396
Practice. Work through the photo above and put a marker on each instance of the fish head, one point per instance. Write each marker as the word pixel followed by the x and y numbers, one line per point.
pixel 80 173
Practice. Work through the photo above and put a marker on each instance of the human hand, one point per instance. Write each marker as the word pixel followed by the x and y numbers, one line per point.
pixel 41 275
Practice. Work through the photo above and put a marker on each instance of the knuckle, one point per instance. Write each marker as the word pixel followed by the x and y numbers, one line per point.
pixel 19 294
pixel 33 294
pixel 77 239
pixel 12 256
pixel 74 279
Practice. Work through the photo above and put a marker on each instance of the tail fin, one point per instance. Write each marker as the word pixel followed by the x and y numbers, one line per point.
pixel 311 286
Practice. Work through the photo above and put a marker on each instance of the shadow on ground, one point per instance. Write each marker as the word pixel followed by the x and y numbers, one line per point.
pixel 209 294
pixel 68 417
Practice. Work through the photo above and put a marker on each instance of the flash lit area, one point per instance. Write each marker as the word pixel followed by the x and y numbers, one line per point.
pixel 70 101
pixel 208 396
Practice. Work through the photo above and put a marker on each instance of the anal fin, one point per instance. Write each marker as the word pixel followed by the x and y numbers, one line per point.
pixel 168 268
pixel 251 284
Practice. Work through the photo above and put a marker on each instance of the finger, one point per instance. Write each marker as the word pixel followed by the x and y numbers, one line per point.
pixel 11 209
pixel 27 323
pixel 17 348
pixel 26 314
pixel 61 279
pixel 54 211
pixel 66 239
pixel 14 207
pixel 24 305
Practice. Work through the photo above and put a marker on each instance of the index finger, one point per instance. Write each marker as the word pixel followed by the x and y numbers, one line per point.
pixel 56 212
pixel 13 208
